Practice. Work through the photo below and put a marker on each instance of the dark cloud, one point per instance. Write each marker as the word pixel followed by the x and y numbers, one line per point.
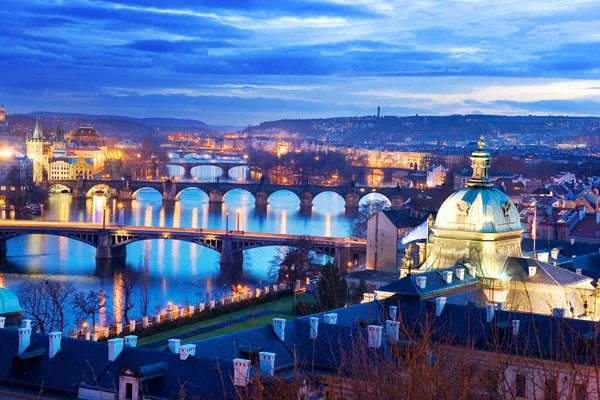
pixel 564 107
pixel 177 46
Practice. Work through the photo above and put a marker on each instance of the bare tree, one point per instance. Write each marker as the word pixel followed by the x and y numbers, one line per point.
pixel 87 305
pixel 45 302
pixel 365 212
pixel 128 280
pixel 144 275
pixel 292 264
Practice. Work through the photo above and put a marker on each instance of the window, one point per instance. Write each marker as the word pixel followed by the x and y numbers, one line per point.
pixel 563 235
pixel 545 234
pixel 520 385
pixel 550 389
pixel 129 390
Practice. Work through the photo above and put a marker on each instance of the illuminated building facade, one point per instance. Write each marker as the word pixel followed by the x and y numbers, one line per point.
pixel 35 152
pixel 86 143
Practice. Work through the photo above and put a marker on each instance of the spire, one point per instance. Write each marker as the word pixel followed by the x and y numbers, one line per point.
pixel 37 132
pixel 2 114
pixel 480 162
pixel 60 132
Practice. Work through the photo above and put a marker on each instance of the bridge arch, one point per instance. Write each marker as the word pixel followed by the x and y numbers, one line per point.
pixel 124 240
pixel 244 196
pixel 193 191
pixel 59 188
pixel 170 167
pixel 101 189
pixel 90 239
pixel 148 189
pixel 374 196
pixel 206 172
pixel 329 198
pixel 284 197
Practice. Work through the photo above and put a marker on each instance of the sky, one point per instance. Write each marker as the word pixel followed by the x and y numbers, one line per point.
pixel 239 62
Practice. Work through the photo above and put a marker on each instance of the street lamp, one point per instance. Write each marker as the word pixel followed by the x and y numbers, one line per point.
pixel 227 223
pixel 104 216
pixel 237 222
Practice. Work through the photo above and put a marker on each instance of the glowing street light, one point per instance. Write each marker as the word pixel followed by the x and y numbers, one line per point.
pixel 237 224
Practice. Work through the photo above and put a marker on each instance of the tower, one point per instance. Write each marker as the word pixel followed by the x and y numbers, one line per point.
pixel 59 147
pixel 35 152
pixel 3 122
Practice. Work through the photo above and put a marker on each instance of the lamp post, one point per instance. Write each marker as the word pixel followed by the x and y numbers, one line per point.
pixel 104 216
pixel 227 223
pixel 237 222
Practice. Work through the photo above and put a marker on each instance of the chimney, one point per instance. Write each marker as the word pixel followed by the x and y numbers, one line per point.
pixel 279 328
pixel 2 322
pixel 440 302
pixel 559 312
pixel 130 341
pixel 489 312
pixel 241 372
pixel 543 256
pixel 115 346
pixel 186 350
pixel 330 318
pixel 447 276
pixel 314 327
pixel 578 271
pixel 515 326
pixel 532 271
pixel 24 339
pixel 392 329
pixel 26 323
pixel 54 343
pixel 460 274
pixel 267 362
pixel 374 332
pixel 472 270
pixel 393 312
pixel 421 281
pixel 554 253
pixel 174 345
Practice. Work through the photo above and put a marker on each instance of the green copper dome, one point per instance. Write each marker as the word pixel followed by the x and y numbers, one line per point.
pixel 9 303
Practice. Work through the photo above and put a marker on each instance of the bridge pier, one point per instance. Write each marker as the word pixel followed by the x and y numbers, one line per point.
pixel 78 193
pixel 3 249
pixel 104 250
pixel 343 259
pixel 262 200
pixel 187 172
pixel 169 192
pixel 306 202
pixel 231 262
pixel 215 197
pixel 352 200
pixel 125 194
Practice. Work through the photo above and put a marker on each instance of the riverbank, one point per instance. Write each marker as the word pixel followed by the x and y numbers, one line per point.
pixel 251 317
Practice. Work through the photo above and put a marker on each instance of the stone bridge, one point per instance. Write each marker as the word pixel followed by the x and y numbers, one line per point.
pixel 125 190
pixel 110 241
pixel 224 166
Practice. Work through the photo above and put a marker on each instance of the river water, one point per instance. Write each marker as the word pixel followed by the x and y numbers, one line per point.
pixel 180 272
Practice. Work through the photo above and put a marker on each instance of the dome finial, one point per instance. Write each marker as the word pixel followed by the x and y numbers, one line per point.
pixel 481 142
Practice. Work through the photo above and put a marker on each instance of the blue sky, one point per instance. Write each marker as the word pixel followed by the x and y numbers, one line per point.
pixel 243 62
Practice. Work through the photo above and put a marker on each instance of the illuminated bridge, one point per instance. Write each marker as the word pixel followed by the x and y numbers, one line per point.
pixel 110 241
pixel 125 190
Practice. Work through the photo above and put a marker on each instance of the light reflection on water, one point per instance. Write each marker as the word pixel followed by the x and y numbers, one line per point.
pixel 180 271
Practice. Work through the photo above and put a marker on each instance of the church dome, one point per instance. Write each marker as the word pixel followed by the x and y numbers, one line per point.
pixel 478 209
pixel 9 303
pixel 86 132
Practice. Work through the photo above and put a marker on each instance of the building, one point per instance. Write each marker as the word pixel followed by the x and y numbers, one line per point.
pixel 85 142
pixel 478 231
pixel 384 231
pixel 16 172
pixel 60 169
pixel 3 122
pixel 436 176
pixel 35 152
pixel 10 309
pixel 81 167
pixel 59 147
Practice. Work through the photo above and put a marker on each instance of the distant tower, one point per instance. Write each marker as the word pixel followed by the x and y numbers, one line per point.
pixel 59 147
pixel 378 111
pixel 2 116
pixel 35 152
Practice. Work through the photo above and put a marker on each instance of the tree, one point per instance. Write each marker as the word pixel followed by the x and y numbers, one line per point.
pixel 128 281
pixel 293 264
pixel 45 302
pixel 332 288
pixel 86 305
pixel 145 283
pixel 365 212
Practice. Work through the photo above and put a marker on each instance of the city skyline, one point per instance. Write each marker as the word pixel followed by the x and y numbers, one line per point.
pixel 227 63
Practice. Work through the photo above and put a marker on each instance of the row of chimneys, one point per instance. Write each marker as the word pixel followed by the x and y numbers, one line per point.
pixel 421 281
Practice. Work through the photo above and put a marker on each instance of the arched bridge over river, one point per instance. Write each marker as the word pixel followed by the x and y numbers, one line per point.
pixel 126 190
pixel 111 241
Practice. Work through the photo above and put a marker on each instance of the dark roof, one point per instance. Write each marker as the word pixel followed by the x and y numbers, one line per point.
pixel 401 218
pixel 434 286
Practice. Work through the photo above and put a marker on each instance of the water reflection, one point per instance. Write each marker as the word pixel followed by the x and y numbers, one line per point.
pixel 179 271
